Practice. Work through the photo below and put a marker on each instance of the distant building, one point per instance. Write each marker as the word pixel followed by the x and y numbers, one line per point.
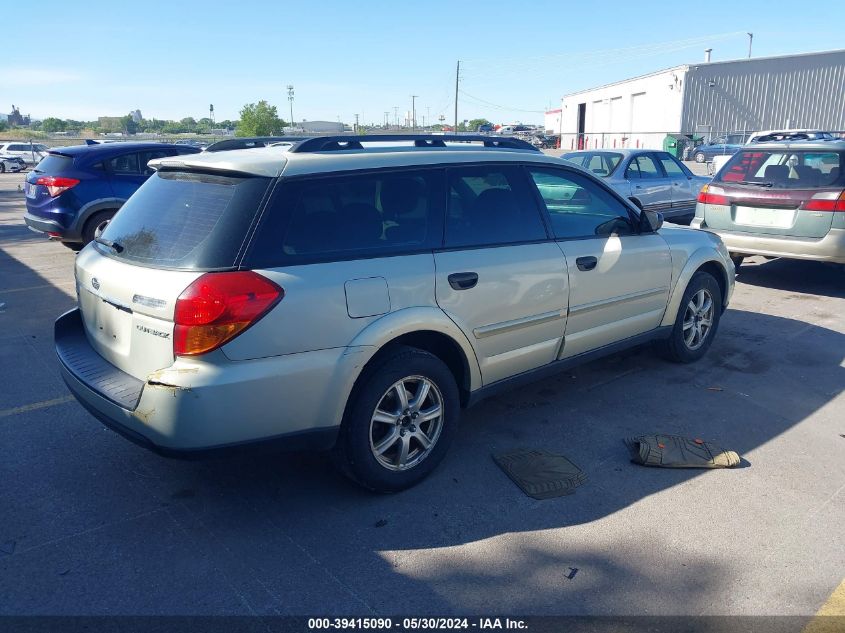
pixel 707 99
pixel 110 123
pixel 321 127
pixel 15 119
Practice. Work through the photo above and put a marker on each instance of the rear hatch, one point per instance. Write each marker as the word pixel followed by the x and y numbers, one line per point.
pixel 176 227
pixel 776 191
pixel 55 174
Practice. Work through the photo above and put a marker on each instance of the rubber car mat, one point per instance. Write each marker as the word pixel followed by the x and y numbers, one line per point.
pixel 673 451
pixel 540 474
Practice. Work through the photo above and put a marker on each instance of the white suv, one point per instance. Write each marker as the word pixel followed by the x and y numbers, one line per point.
pixel 355 293
pixel 30 153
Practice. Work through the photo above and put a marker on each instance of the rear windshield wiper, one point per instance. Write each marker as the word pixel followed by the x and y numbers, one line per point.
pixel 756 184
pixel 117 248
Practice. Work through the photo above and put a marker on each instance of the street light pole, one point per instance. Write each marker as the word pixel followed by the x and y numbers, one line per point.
pixel 414 113
pixel 750 40
pixel 290 99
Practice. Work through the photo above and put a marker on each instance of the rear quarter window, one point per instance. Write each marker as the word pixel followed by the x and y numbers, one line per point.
pixel 186 220
pixel 371 214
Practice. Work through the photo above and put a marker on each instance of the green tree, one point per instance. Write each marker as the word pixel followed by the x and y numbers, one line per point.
pixel 474 124
pixel 52 124
pixel 128 124
pixel 259 119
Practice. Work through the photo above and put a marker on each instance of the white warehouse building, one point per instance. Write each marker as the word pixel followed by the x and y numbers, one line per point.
pixel 707 99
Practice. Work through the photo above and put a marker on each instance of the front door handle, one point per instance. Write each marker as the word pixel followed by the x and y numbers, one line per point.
pixel 586 263
pixel 463 281
pixel 638 186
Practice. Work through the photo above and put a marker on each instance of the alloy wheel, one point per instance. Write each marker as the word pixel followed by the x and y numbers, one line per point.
pixel 698 319
pixel 406 423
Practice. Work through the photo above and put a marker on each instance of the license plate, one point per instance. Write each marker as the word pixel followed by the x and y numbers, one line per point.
pixel 30 190
pixel 774 218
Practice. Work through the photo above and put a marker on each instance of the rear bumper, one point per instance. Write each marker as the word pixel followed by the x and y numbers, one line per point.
pixel 830 248
pixel 198 409
pixel 43 225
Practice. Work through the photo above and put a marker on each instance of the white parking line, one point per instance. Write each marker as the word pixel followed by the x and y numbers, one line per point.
pixel 4 413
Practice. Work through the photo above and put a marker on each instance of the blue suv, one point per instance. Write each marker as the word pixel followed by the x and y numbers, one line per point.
pixel 74 191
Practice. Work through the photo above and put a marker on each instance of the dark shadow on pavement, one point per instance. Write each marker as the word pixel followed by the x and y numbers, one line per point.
pixel 793 275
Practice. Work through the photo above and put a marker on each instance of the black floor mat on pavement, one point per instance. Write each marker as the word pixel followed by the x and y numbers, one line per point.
pixel 673 451
pixel 540 474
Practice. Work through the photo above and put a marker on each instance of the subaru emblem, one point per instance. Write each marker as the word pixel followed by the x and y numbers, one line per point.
pixel 95 283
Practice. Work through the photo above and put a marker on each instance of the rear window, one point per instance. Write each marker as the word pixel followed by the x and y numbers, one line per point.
pixel 53 164
pixel 186 220
pixel 784 169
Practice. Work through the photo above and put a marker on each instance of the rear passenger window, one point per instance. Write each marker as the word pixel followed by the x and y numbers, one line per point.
pixel 489 206
pixel 672 167
pixel 362 215
pixel 647 167
pixel 126 164
pixel 146 157
pixel 579 207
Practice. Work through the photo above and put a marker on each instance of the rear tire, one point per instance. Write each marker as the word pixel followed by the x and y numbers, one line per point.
pixel 381 428
pixel 74 246
pixel 2 168
pixel 696 322
pixel 95 224
pixel 699 157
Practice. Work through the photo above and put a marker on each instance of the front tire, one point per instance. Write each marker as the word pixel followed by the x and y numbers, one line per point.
pixel 696 322
pixel 699 157
pixel 399 422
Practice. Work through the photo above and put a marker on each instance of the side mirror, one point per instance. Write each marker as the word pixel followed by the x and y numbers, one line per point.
pixel 650 221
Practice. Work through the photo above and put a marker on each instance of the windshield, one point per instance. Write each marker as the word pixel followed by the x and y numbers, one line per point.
pixel 185 220
pixel 784 169
pixel 598 163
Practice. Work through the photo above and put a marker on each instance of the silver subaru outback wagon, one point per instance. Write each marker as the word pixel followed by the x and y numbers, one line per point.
pixel 354 293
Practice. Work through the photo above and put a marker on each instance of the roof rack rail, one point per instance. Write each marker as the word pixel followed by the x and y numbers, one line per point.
pixel 347 142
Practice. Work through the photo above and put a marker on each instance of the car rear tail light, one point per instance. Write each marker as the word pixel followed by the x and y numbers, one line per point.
pixel 825 201
pixel 712 195
pixel 217 307
pixel 56 184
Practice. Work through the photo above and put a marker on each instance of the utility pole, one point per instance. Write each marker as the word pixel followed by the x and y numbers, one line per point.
pixel 290 99
pixel 750 40
pixel 356 124
pixel 457 78
pixel 211 113
pixel 414 113
pixel 386 124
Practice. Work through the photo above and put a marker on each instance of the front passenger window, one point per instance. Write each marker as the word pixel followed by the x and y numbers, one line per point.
pixel 580 208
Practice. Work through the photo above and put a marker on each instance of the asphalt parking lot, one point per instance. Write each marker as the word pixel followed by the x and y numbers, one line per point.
pixel 91 524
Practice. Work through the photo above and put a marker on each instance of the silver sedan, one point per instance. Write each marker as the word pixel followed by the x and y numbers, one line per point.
pixel 653 180
pixel 11 164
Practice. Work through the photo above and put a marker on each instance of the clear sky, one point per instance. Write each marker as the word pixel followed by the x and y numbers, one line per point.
pixel 81 60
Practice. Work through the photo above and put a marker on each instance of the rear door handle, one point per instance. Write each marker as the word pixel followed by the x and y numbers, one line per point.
pixel 463 281
pixel 586 263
